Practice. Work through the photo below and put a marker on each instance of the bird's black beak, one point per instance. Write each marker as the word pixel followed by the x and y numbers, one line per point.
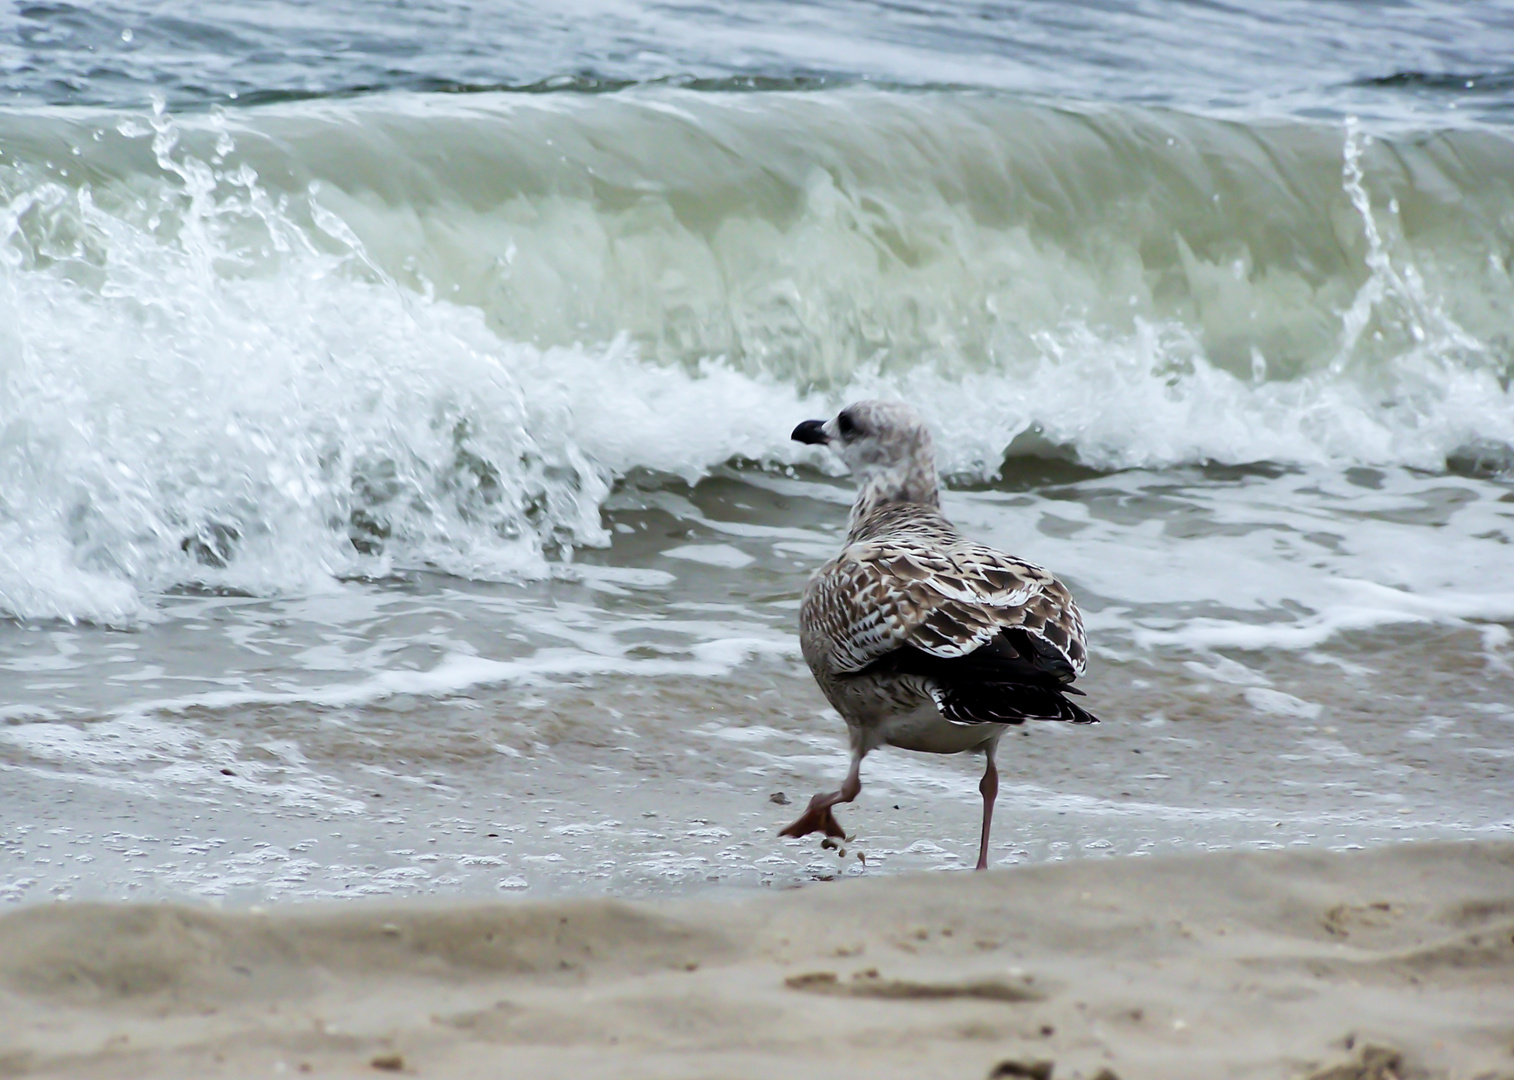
pixel 811 432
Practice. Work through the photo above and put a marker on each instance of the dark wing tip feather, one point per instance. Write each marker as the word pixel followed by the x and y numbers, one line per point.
pixel 1043 654
pixel 1013 656
pixel 1005 703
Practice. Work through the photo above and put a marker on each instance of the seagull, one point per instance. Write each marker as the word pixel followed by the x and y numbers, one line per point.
pixel 921 638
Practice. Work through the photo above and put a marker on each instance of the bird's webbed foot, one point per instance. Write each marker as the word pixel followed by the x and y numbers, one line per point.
pixel 817 818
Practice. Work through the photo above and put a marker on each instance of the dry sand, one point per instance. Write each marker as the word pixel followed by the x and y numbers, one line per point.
pixel 1396 962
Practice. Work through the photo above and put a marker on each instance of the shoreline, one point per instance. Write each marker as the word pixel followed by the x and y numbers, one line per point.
pixel 1395 961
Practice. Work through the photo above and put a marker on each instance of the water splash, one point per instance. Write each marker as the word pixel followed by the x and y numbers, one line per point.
pixel 225 362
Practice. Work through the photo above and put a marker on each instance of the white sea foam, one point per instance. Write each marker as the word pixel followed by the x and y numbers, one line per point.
pixel 143 754
pixel 212 379
pixel 723 555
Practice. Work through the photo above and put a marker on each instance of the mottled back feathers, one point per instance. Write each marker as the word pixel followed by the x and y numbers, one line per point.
pixel 993 638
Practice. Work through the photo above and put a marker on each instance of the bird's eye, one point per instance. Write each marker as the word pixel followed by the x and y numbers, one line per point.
pixel 846 425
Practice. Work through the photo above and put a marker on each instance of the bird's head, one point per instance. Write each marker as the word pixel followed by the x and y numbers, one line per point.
pixel 886 446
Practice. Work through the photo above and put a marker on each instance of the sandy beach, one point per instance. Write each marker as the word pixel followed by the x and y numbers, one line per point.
pixel 1389 963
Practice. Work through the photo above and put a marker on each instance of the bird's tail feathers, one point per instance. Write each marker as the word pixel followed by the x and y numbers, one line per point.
pixel 1006 703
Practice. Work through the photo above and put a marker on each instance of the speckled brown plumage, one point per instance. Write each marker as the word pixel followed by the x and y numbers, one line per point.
pixel 909 578
pixel 919 637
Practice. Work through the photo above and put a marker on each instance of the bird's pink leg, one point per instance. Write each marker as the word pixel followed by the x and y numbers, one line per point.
pixel 817 817
pixel 990 788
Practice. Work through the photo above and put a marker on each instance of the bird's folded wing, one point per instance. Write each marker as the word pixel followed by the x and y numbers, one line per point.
pixel 880 597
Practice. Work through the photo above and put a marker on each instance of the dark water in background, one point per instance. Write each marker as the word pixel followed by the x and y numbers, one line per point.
pixel 394 485
pixel 1394 61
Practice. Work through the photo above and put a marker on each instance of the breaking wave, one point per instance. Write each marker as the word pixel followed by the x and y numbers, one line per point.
pixel 261 350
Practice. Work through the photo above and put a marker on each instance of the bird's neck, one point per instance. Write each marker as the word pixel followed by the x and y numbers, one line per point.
pixel 914 482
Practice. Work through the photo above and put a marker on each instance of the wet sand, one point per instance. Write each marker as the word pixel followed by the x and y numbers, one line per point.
pixel 1393 962
pixel 619 730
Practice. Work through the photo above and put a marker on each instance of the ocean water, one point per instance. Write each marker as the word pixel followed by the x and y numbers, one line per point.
pixel 395 489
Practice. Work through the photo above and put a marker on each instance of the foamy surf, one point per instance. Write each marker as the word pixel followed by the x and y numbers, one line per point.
pixel 241 358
